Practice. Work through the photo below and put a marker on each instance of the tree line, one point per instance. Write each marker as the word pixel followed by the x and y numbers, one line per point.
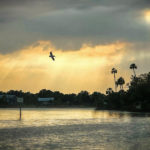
pixel 81 99
pixel 135 98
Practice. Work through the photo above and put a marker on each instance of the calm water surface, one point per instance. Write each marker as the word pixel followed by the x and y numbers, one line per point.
pixel 47 128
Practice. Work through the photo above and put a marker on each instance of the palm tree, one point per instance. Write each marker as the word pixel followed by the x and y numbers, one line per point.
pixel 120 82
pixel 114 71
pixel 109 91
pixel 133 67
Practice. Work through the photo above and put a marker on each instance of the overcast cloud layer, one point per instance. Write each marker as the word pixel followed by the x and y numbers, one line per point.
pixel 69 24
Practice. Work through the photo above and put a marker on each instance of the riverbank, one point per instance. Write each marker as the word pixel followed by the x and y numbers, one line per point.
pixel 49 106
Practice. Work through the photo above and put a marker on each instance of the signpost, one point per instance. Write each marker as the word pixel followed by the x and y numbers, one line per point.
pixel 20 101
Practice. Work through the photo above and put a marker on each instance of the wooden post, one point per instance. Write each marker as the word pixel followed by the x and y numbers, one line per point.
pixel 20 111
pixel 20 101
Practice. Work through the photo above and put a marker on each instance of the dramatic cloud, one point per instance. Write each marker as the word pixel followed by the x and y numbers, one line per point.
pixel 89 37
pixel 89 68
pixel 69 24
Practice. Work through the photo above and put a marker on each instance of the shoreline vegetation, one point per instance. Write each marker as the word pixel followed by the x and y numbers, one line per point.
pixel 136 98
pixel 48 106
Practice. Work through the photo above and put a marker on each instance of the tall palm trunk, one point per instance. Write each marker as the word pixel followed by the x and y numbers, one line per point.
pixel 134 72
pixel 120 86
pixel 115 83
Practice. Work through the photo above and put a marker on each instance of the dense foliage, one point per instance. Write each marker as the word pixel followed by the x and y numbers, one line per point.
pixel 136 98
pixel 81 99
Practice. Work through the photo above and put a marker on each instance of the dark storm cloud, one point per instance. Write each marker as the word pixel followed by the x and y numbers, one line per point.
pixel 70 23
pixel 61 4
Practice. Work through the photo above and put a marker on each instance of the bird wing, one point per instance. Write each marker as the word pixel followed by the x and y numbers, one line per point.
pixel 51 53
pixel 53 58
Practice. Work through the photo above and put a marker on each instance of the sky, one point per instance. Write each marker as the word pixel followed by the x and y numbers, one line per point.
pixel 88 38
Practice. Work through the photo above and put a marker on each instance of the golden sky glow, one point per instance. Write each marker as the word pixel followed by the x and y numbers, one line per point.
pixel 119 35
pixel 88 68
pixel 147 15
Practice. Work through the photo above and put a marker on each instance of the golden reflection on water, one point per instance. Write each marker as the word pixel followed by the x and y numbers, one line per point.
pixel 47 128
pixel 58 116
pixel 109 114
pixel 60 113
pixel 45 113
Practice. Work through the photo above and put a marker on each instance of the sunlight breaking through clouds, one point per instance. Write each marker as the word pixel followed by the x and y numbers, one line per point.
pixel 88 68
pixel 147 16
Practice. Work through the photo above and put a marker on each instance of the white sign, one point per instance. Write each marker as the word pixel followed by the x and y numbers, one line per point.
pixel 20 100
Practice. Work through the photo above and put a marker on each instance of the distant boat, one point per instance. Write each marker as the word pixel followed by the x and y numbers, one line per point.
pixel 52 56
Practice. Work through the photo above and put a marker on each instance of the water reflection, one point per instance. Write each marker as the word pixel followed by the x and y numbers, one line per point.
pixel 73 129
pixel 9 118
pixel 75 113
pixel 118 114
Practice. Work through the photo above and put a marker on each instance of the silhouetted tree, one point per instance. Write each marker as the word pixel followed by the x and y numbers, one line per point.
pixel 45 93
pixel 109 91
pixel 16 93
pixel 120 82
pixel 133 67
pixel 84 98
pixel 97 99
pixel 114 71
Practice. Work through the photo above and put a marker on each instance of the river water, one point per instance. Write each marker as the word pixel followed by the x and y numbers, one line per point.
pixel 73 128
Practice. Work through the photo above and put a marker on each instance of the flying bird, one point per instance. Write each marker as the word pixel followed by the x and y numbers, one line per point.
pixel 52 56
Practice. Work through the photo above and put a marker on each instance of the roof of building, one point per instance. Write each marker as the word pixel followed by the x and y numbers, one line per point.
pixel 45 99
